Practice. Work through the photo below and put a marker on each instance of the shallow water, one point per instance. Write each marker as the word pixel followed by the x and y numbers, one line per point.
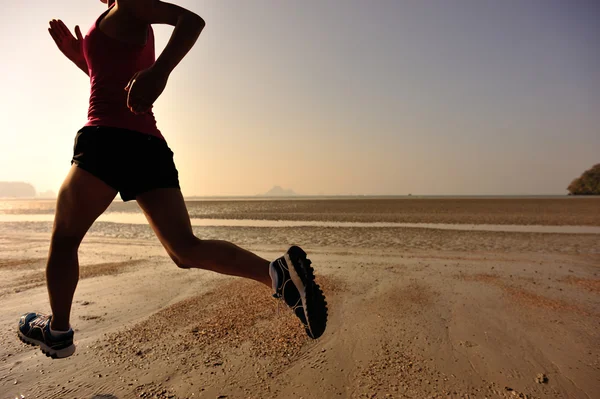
pixel 138 218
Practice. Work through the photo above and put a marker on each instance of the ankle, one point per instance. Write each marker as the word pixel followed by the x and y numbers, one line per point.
pixel 59 326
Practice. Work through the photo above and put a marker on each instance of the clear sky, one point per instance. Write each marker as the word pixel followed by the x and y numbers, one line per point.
pixel 336 96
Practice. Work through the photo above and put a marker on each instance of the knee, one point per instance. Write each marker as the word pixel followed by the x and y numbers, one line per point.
pixel 184 252
pixel 178 261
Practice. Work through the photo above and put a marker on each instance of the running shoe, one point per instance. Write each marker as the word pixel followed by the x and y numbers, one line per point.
pixel 34 329
pixel 294 282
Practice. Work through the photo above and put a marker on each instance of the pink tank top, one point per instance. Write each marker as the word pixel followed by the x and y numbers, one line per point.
pixel 111 64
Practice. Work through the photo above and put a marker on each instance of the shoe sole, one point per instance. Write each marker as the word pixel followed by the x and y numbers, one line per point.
pixel 311 295
pixel 52 353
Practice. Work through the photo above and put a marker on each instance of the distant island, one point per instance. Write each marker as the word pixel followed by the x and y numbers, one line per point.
pixel 16 190
pixel 278 191
pixel 587 184
pixel 22 190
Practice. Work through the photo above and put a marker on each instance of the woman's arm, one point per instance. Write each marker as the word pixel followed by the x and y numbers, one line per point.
pixel 147 85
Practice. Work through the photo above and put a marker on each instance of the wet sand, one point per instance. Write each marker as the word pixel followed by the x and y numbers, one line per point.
pixel 414 313
pixel 550 211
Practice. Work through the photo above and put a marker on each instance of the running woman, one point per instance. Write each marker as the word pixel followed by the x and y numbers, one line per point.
pixel 121 150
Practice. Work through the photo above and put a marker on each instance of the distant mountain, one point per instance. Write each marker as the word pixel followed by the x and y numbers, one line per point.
pixel 16 190
pixel 278 191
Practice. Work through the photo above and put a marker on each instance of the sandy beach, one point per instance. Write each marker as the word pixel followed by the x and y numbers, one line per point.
pixel 414 312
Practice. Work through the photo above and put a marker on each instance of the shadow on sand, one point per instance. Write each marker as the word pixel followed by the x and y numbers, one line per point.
pixel 103 396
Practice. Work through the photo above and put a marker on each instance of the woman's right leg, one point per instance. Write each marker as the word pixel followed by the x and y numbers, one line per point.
pixel 81 199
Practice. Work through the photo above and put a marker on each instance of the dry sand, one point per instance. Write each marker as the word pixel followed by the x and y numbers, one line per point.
pixel 413 313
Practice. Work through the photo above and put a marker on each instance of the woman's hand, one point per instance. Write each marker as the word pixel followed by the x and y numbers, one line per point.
pixel 70 46
pixel 144 88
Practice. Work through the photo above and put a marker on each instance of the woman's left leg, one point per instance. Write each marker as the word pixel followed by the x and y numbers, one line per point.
pixel 168 216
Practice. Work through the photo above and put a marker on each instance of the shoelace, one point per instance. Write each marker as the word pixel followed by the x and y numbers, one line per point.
pixel 39 321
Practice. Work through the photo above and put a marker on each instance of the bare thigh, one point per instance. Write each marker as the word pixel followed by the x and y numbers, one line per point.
pixel 168 216
pixel 81 199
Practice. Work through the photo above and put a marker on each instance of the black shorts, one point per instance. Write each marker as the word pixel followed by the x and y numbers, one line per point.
pixel 130 162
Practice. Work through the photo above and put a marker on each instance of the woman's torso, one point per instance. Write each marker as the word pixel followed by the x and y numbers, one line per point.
pixel 114 55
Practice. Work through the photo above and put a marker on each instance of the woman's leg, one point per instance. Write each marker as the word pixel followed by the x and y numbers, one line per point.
pixel 167 214
pixel 81 199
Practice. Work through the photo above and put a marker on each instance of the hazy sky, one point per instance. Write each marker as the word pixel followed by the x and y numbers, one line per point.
pixel 335 96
